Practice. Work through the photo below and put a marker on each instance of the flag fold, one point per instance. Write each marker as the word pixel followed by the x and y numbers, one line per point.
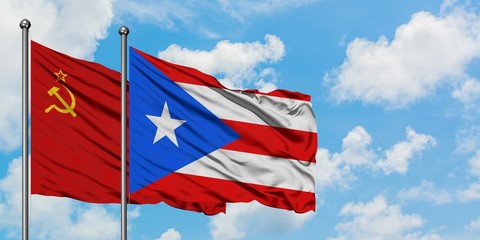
pixel 193 140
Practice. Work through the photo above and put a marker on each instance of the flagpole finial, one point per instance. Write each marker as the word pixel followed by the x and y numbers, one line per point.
pixel 123 30
pixel 25 24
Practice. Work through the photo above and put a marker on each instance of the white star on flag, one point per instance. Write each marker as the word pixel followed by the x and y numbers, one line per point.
pixel 165 125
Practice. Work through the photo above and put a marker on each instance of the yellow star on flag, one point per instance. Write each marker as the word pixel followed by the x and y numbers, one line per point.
pixel 61 75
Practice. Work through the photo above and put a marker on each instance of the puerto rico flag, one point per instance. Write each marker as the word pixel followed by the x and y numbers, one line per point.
pixel 197 145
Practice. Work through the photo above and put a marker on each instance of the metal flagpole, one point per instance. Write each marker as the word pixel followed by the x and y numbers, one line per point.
pixel 25 26
pixel 123 31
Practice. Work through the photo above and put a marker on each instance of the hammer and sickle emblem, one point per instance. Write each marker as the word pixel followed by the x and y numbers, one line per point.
pixel 68 108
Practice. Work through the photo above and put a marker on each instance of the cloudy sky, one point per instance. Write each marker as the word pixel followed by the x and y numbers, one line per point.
pixel 395 88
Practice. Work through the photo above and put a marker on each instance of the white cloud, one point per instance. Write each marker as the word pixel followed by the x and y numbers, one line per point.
pixel 474 163
pixel 468 140
pixel 170 234
pixel 448 5
pixel 331 171
pixel 169 14
pixel 242 9
pixel 411 66
pixel 470 194
pixel 242 69
pixel 11 196
pixel 473 226
pixel 193 15
pixel 468 94
pixel 355 150
pixel 70 26
pixel 52 217
pixel 378 220
pixel 471 231
pixel 337 169
pixel 134 213
pixel 420 236
pixel 425 191
pixel 164 13
pixel 398 157
pixel 73 221
pixel 245 219
pixel 73 27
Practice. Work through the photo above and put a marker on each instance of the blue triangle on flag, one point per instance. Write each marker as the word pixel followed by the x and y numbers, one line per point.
pixel 200 134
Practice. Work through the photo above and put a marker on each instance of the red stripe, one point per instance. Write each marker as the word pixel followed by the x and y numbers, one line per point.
pixel 273 141
pixel 179 73
pixel 214 193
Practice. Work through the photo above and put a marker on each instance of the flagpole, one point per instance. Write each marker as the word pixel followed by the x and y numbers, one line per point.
pixel 25 26
pixel 123 31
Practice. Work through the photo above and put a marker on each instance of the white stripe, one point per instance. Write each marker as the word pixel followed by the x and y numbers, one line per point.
pixel 254 108
pixel 256 169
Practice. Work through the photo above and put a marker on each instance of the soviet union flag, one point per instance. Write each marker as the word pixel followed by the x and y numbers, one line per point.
pixel 75 127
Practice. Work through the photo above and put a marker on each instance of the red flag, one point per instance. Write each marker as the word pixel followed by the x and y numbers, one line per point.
pixel 75 127
pixel 193 140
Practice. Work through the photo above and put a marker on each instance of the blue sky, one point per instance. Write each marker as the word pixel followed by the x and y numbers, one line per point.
pixel 395 89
